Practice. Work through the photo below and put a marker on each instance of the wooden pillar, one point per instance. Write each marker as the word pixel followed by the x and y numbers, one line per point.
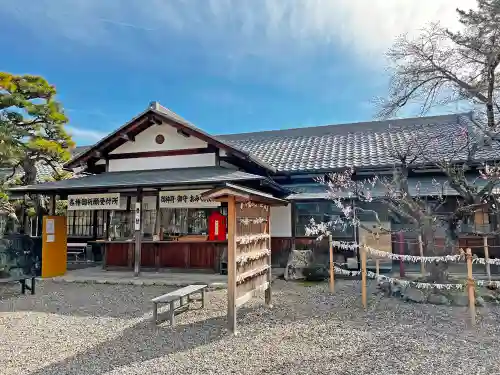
pixel 293 215
pixel 487 257
pixel 401 252
pixel 421 252
pixel 138 233
pixel 231 264
pixel 268 294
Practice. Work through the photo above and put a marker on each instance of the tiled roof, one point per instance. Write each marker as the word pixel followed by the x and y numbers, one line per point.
pixel 367 145
pixel 146 178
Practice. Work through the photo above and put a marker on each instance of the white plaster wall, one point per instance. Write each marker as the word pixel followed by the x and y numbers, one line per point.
pixel 162 162
pixel 145 141
pixel 281 221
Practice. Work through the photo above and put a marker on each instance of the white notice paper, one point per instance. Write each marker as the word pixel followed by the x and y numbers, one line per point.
pixel 49 228
pixel 51 238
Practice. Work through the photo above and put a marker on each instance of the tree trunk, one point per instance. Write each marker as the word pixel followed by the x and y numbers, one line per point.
pixel 438 272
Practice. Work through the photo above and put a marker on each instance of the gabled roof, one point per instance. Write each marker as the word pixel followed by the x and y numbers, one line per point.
pixel 366 145
pixel 153 114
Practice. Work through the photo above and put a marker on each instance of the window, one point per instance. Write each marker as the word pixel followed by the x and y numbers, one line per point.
pixel 81 223
pixel 479 222
pixel 121 224
pixel 323 211
pixel 185 220
pixel 159 139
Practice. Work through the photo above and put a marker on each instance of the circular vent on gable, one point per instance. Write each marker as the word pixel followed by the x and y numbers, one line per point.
pixel 160 139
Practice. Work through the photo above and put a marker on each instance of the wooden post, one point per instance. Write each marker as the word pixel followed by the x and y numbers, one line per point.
pixel 363 276
pixel 421 252
pixel 332 270
pixel 487 257
pixel 470 288
pixel 231 264
pixel 138 234
pixel 377 260
pixel 268 294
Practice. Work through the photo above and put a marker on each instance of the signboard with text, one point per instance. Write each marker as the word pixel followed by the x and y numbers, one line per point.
pixel 185 199
pixel 105 201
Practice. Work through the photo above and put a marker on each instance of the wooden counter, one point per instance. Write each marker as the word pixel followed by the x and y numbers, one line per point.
pixel 164 254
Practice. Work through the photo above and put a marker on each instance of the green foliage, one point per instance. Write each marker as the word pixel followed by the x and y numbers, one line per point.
pixel 31 125
pixel 32 131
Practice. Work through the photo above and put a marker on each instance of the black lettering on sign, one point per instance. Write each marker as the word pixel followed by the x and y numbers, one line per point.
pixel 71 202
pixel 115 200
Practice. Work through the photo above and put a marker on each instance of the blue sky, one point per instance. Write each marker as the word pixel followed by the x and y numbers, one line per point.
pixel 226 65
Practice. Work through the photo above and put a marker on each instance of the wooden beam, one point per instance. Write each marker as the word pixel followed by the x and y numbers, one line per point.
pixel 154 154
pixel 127 137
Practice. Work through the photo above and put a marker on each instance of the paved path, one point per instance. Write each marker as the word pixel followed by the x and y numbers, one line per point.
pixel 96 275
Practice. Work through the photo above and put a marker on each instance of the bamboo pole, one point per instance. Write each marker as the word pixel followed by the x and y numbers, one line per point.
pixel 470 287
pixel 332 274
pixel 487 257
pixel 421 250
pixel 363 276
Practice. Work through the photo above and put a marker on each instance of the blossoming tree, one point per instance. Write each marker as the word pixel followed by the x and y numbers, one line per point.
pixel 438 68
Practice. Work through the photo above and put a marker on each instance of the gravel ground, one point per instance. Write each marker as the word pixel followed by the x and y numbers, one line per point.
pixel 103 329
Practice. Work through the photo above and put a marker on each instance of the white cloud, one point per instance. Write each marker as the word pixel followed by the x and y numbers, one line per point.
pixel 242 26
pixel 85 135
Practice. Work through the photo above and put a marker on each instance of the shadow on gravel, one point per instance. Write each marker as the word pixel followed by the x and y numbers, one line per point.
pixel 140 343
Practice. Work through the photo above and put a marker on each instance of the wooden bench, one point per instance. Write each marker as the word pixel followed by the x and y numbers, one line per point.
pixel 77 250
pixel 22 280
pixel 184 296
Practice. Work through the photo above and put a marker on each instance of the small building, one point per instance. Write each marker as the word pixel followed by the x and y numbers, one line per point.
pixel 162 164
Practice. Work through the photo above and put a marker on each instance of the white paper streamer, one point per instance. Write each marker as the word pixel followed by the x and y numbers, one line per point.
pixel 484 261
pixel 488 283
pixel 248 257
pixel 251 204
pixel 413 258
pixel 250 238
pixel 252 220
pixel 405 283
